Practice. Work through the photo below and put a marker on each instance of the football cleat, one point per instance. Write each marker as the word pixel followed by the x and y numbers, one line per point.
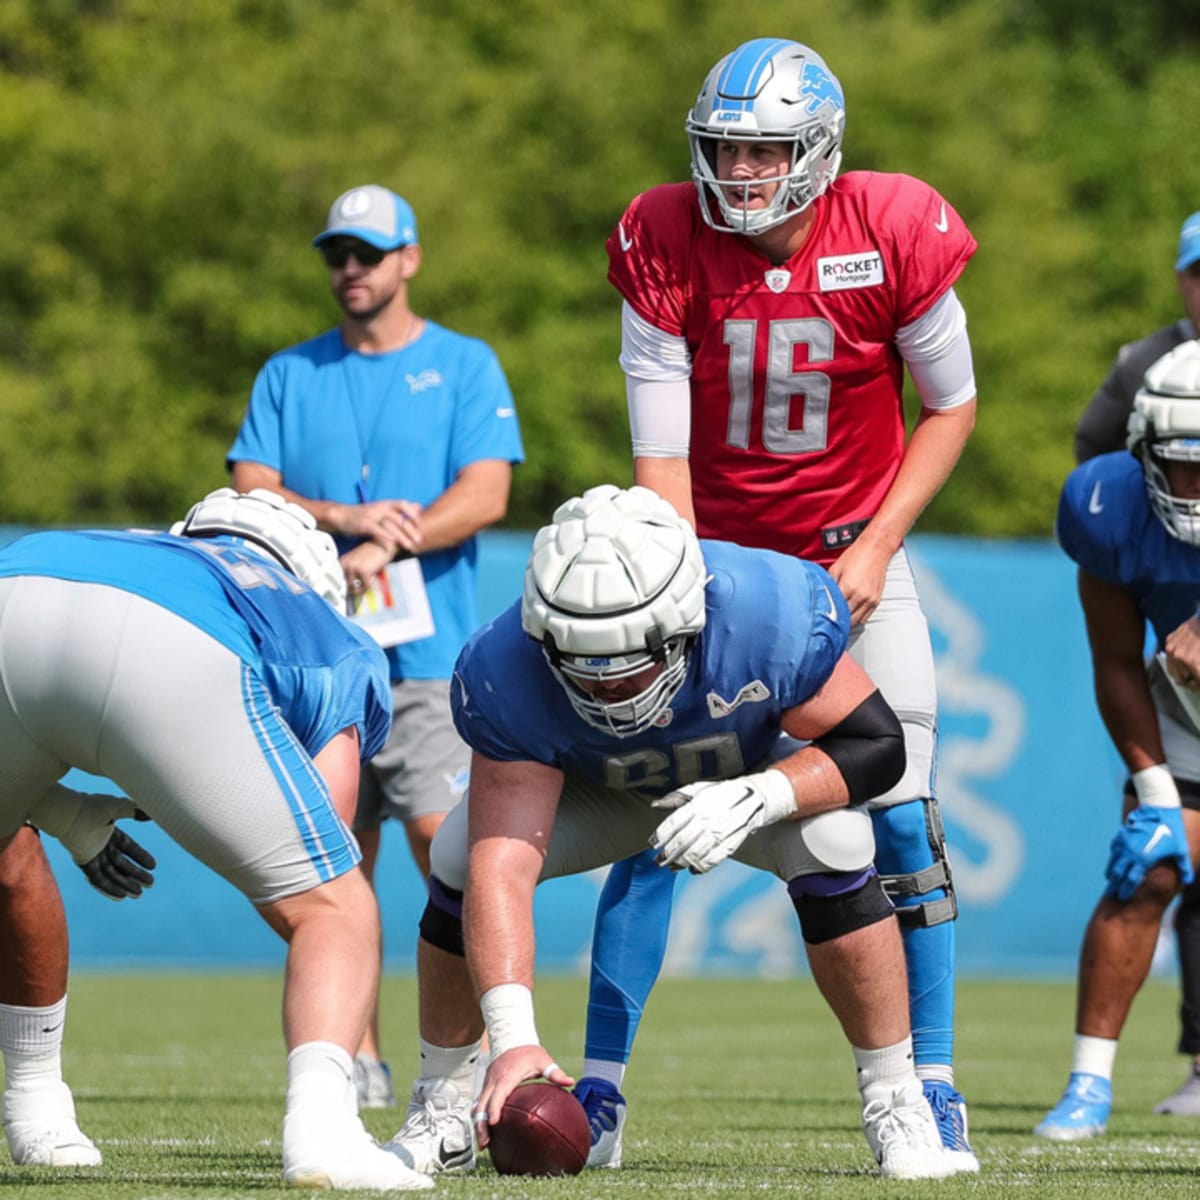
pixel 1186 1101
pixel 373 1083
pixel 606 1111
pixel 1081 1113
pixel 950 1113
pixel 41 1130
pixel 324 1150
pixel 436 1135
pixel 902 1133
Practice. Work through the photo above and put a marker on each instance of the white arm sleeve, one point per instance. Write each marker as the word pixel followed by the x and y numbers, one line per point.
pixel 658 367
pixel 938 353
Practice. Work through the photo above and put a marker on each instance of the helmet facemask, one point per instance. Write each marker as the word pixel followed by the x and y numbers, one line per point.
pixel 1180 516
pixel 639 712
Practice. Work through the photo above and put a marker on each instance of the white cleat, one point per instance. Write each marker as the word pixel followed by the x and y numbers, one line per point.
pixel 373 1083
pixel 902 1133
pixel 40 1126
pixel 321 1150
pixel 1185 1102
pixel 436 1135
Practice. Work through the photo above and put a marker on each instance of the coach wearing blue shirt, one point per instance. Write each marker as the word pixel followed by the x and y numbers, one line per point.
pixel 399 436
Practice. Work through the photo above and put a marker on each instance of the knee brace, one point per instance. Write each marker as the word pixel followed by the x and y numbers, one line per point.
pixel 838 903
pixel 441 922
pixel 900 886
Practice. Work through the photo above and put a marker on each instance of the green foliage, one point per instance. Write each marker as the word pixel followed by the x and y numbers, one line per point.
pixel 165 165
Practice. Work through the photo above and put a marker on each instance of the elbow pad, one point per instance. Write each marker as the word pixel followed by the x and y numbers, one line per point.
pixel 868 748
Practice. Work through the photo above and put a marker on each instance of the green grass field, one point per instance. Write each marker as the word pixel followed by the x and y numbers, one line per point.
pixel 738 1088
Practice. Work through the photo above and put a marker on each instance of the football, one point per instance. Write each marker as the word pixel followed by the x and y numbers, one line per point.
pixel 542 1130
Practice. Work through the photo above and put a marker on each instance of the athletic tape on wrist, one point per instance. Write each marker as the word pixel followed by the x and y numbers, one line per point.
pixel 508 1013
pixel 1155 787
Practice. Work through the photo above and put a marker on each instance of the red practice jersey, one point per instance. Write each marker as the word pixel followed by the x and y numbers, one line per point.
pixel 797 416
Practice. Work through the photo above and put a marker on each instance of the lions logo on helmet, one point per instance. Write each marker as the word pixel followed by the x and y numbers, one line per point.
pixel 615 587
pixel 281 529
pixel 1164 426
pixel 771 90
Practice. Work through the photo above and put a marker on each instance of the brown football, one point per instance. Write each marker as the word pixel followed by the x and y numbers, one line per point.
pixel 542 1130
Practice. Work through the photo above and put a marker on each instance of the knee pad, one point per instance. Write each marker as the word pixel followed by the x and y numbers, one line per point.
pixel 906 838
pixel 441 922
pixel 841 840
pixel 835 904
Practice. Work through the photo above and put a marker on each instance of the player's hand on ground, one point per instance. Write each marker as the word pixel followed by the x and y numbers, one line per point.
pixel 711 820
pixel 1149 835
pixel 1183 654
pixel 860 573
pixel 505 1073
pixel 123 868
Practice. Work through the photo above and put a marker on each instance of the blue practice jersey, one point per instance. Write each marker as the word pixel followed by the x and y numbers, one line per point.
pixel 323 673
pixel 1105 523
pixel 415 417
pixel 776 626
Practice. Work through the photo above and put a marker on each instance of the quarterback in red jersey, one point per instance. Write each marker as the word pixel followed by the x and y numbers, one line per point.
pixel 770 312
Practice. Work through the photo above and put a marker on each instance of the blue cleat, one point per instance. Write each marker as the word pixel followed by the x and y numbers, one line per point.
pixel 606 1111
pixel 950 1113
pixel 1081 1113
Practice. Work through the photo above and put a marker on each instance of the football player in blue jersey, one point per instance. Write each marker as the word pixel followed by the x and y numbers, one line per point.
pixel 1131 521
pixel 651 688
pixel 210 674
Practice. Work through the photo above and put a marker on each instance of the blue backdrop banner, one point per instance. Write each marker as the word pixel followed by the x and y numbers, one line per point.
pixel 1029 784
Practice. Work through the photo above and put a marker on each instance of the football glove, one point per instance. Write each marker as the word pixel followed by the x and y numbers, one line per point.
pixel 711 820
pixel 1149 834
pixel 113 862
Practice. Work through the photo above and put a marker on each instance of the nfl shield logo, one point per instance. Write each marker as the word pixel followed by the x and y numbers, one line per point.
pixel 778 280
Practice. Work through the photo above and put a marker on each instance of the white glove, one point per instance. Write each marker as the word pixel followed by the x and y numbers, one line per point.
pixel 82 821
pixel 711 820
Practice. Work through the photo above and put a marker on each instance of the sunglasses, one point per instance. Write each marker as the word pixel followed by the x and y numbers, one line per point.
pixel 337 254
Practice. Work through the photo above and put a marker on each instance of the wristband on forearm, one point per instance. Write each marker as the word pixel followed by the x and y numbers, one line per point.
pixel 508 1014
pixel 1155 787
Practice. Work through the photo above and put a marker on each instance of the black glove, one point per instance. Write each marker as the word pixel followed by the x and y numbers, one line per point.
pixel 122 868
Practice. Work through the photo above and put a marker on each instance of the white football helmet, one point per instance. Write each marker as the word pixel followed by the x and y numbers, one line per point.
pixel 285 531
pixel 1164 426
pixel 614 586
pixel 771 90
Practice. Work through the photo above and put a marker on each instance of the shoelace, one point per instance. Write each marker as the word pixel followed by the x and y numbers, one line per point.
pixel 946 1113
pixel 601 1110
pixel 435 1105
pixel 893 1121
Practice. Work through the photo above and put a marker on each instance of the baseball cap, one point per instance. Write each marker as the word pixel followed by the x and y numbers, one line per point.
pixel 1189 243
pixel 384 220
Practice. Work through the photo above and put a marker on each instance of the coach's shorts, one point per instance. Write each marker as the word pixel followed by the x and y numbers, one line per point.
pixel 893 647
pixel 596 826
pixel 103 680
pixel 423 767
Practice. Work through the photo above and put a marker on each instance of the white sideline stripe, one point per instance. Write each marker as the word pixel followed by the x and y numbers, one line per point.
pixel 157 1141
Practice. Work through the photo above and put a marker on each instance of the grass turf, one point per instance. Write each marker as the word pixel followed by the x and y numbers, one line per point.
pixel 738 1088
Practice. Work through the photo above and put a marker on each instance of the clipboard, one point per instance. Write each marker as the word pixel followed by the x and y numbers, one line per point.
pixel 395 608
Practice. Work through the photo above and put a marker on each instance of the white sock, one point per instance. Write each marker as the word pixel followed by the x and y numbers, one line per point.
pixel 31 1042
pixel 1094 1056
pixel 321 1075
pixel 603 1068
pixel 456 1063
pixel 891 1066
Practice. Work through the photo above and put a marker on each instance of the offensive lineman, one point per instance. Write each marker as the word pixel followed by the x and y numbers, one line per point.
pixel 769 313
pixel 1131 521
pixel 681 667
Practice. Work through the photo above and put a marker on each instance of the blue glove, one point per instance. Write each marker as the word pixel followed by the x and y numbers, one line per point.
pixel 1150 834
